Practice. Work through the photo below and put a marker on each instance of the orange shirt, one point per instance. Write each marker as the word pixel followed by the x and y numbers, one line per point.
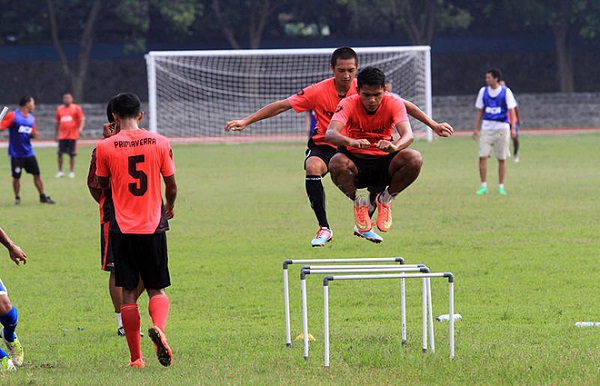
pixel 374 127
pixel 323 98
pixel 135 160
pixel 69 118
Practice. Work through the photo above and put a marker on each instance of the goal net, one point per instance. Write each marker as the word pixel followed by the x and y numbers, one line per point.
pixel 194 93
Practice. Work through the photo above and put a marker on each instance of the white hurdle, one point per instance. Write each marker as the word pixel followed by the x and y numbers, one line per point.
pixel 286 291
pixel 426 289
pixel 355 269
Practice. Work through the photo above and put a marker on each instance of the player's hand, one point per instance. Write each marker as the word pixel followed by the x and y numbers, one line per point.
pixel 109 129
pixel 361 144
pixel 475 134
pixel 444 129
pixel 513 132
pixel 169 211
pixel 386 146
pixel 236 125
pixel 17 255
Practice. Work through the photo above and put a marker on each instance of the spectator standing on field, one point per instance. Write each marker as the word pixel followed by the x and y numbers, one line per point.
pixel 69 124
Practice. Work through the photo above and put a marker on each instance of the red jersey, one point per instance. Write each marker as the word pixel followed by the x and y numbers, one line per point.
pixel 135 160
pixel 323 99
pixel 374 127
pixel 68 118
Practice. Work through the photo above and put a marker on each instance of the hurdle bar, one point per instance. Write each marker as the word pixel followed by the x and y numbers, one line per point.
pixel 286 292
pixel 307 270
pixel 327 279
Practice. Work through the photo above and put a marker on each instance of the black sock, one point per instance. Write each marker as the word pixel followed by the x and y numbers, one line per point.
pixel 373 193
pixel 316 196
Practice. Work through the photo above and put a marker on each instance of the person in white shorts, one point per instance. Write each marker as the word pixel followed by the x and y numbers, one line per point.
pixel 496 107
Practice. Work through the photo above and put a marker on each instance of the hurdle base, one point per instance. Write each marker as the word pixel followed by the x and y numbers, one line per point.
pixel 288 345
pixel 404 344
pixel 424 351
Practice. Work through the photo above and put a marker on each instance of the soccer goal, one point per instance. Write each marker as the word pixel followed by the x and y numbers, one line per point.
pixel 194 93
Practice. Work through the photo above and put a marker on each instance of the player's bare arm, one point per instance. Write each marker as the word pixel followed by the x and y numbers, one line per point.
pixel 14 251
pixel 406 138
pixel 270 110
pixel 513 121
pixel 477 123
pixel 334 136
pixel 442 129
pixel 56 130
pixel 170 195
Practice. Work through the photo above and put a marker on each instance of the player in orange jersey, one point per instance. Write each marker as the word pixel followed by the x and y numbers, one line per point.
pixel 362 127
pixel 323 98
pixel 132 163
pixel 69 124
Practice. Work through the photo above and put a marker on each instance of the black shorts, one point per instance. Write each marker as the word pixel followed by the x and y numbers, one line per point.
pixel 106 256
pixel 67 146
pixel 140 256
pixel 324 152
pixel 28 163
pixel 371 171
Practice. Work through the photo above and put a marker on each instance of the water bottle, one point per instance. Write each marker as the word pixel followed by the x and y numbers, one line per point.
pixel 446 317
pixel 587 324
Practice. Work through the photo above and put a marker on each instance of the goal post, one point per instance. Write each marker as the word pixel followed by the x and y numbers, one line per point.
pixel 194 93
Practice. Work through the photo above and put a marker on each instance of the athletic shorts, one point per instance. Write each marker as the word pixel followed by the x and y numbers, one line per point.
pixel 324 152
pixel 3 290
pixel 67 146
pixel 498 140
pixel 106 255
pixel 140 256
pixel 371 171
pixel 28 163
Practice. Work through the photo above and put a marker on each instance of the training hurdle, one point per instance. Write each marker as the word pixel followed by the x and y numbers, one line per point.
pixel 286 291
pixel 355 269
pixel 328 279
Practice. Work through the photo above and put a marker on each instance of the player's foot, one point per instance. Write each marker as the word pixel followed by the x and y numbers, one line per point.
pixel 15 350
pixel 369 235
pixel 163 351
pixel 516 159
pixel 6 364
pixel 482 190
pixel 121 332
pixel 71 175
pixel 501 191
pixel 361 217
pixel 17 200
pixel 384 215
pixel 47 200
pixel 60 174
pixel 324 235
pixel 138 363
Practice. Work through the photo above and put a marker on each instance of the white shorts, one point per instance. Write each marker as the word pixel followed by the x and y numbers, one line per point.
pixel 2 289
pixel 498 140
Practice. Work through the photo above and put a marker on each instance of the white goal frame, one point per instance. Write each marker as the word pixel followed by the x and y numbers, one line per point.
pixel 152 56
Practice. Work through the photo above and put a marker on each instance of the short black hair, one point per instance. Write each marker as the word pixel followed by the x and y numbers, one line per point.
pixel 126 105
pixel 371 76
pixel 24 100
pixel 109 111
pixel 494 72
pixel 343 53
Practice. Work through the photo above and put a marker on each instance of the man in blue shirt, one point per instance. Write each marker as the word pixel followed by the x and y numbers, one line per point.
pixel 21 125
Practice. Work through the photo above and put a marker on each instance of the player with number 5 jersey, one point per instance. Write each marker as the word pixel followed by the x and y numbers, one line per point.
pixel 132 163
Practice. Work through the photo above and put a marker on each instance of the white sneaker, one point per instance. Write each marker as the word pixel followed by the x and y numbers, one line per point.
pixel 516 159
pixel 60 174
pixel 71 174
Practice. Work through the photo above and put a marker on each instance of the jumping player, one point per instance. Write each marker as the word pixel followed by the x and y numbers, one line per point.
pixel 362 127
pixel 132 162
pixel 69 124
pixel 323 98
pixel 21 124
pixel 8 313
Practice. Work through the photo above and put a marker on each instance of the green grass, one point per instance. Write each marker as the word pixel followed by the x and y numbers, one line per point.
pixel 526 267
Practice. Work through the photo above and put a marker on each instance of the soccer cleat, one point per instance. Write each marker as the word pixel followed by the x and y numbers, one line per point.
pixel 384 215
pixel 121 332
pixel 324 235
pixel 60 174
pixel 516 159
pixel 369 235
pixel 481 191
pixel 15 350
pixel 138 363
pixel 361 218
pixel 163 351
pixel 17 200
pixel 501 191
pixel 71 175
pixel 6 364
pixel 47 200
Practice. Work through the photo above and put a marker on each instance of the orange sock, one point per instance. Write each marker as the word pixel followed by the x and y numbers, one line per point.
pixel 131 324
pixel 158 308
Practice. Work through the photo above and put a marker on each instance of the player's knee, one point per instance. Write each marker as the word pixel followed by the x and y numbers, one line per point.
pixel 316 166
pixel 5 305
pixel 412 160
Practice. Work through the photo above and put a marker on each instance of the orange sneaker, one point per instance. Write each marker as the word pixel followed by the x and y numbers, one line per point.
pixel 361 218
pixel 384 215
pixel 163 351
pixel 138 363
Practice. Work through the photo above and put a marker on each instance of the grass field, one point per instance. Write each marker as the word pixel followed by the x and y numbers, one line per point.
pixel 527 267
